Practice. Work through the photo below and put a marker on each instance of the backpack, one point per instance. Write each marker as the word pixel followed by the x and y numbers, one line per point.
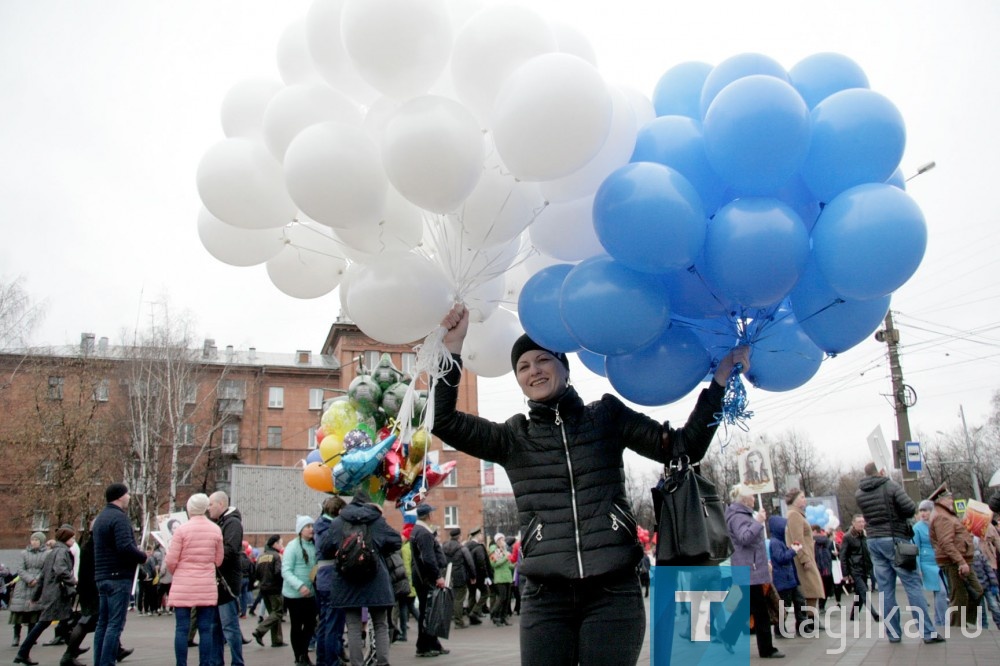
pixel 356 559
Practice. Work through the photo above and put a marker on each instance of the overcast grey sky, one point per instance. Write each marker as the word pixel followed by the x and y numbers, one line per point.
pixel 108 107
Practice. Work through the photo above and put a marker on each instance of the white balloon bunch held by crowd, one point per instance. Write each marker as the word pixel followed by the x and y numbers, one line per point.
pixel 419 153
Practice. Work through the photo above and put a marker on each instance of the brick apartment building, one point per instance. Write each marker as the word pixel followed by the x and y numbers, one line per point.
pixel 71 425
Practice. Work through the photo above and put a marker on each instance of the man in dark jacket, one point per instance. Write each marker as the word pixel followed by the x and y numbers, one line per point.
pixel 115 559
pixel 268 571
pixel 228 627
pixel 479 591
pixel 887 509
pixel 428 567
pixel 954 550
pixel 463 573
pixel 857 564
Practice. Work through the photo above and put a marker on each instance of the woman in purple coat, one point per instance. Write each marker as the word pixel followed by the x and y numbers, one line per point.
pixel 746 529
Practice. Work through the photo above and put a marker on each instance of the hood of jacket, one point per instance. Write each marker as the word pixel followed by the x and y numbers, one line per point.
pixel 359 514
pixel 231 512
pixel 776 526
pixel 945 503
pixel 870 483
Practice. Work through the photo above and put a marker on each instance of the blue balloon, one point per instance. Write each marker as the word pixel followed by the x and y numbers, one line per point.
pixel 538 309
pixel 692 296
pixel 314 456
pixel 835 325
pixel 610 308
pixel 858 136
pixel 869 241
pixel 649 218
pixel 755 250
pixel 897 179
pixel 820 75
pixel 799 198
pixel 679 143
pixel 757 134
pixel 734 68
pixel 678 92
pixel 782 357
pixel 593 362
pixel 662 372
pixel 717 335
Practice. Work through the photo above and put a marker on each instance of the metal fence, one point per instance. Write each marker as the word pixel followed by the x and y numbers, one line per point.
pixel 269 498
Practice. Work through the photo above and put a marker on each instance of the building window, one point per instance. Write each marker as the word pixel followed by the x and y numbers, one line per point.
pixel 102 391
pixel 190 393
pixel 186 434
pixel 46 472
pixel 409 364
pixel 232 389
pixel 231 438
pixel 311 444
pixel 276 397
pixel 40 521
pixel 451 481
pixel 451 516
pixel 315 398
pixel 223 474
pixel 55 388
pixel 371 359
pixel 274 437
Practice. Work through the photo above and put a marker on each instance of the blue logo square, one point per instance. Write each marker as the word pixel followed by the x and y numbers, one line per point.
pixel 691 608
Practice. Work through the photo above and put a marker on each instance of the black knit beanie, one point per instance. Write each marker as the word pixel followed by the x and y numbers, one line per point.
pixel 526 344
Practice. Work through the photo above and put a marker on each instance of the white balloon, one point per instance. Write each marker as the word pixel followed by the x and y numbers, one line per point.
pixel 379 113
pixel 235 246
pixel 490 46
pixel 616 152
pixel 530 261
pixel 310 264
pixel 484 299
pixel 467 267
pixel 498 210
pixel 486 351
pixel 642 106
pixel 400 47
pixel 242 185
pixel 551 117
pixel 565 231
pixel 572 41
pixel 328 53
pixel 335 176
pixel 432 150
pixel 399 230
pixel 398 298
pixel 243 107
pixel 345 288
pixel 294 62
pixel 299 106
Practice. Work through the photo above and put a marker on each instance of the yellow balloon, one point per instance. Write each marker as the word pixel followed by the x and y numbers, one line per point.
pixel 418 445
pixel 340 418
pixel 331 448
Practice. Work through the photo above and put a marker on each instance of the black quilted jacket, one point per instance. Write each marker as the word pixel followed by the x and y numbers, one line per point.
pixel 565 463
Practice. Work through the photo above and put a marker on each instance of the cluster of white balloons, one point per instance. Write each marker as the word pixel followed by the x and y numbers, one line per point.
pixel 417 152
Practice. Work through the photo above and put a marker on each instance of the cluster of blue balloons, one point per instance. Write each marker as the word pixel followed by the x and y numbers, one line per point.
pixel 817 514
pixel 761 206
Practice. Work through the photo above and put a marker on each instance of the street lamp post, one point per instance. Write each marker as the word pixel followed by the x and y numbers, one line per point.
pixel 972 460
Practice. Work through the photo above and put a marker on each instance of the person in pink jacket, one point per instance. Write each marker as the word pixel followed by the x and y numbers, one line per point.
pixel 195 551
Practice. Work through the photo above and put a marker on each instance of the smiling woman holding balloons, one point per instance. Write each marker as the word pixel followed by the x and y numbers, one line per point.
pixel 581 599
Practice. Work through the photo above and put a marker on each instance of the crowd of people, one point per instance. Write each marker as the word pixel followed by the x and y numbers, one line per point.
pixel 210 578
pixel 925 546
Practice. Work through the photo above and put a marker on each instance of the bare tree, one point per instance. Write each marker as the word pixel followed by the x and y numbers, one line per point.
pixel 638 482
pixel 18 315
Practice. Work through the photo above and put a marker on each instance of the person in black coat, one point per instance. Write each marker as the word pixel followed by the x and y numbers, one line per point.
pixel 479 592
pixel 428 567
pixel 856 564
pixel 581 599
pixel 463 573
pixel 375 594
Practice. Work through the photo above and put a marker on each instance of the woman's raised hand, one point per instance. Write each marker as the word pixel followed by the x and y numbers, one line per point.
pixel 737 355
pixel 456 323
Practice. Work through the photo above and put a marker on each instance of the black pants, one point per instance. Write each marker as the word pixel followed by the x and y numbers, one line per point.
pixel 761 623
pixel 302 617
pixel 425 641
pixel 593 621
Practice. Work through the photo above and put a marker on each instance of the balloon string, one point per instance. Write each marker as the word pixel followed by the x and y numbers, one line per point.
pixel 735 403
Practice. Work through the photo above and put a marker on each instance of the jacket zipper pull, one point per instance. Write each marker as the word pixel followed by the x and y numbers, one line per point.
pixel 614 522
pixel 558 417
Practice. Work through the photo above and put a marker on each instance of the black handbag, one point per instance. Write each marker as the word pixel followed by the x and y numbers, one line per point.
pixel 440 609
pixel 690 518
pixel 906 555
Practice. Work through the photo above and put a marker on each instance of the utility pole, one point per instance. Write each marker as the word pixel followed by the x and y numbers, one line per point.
pixel 903 397
pixel 972 459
